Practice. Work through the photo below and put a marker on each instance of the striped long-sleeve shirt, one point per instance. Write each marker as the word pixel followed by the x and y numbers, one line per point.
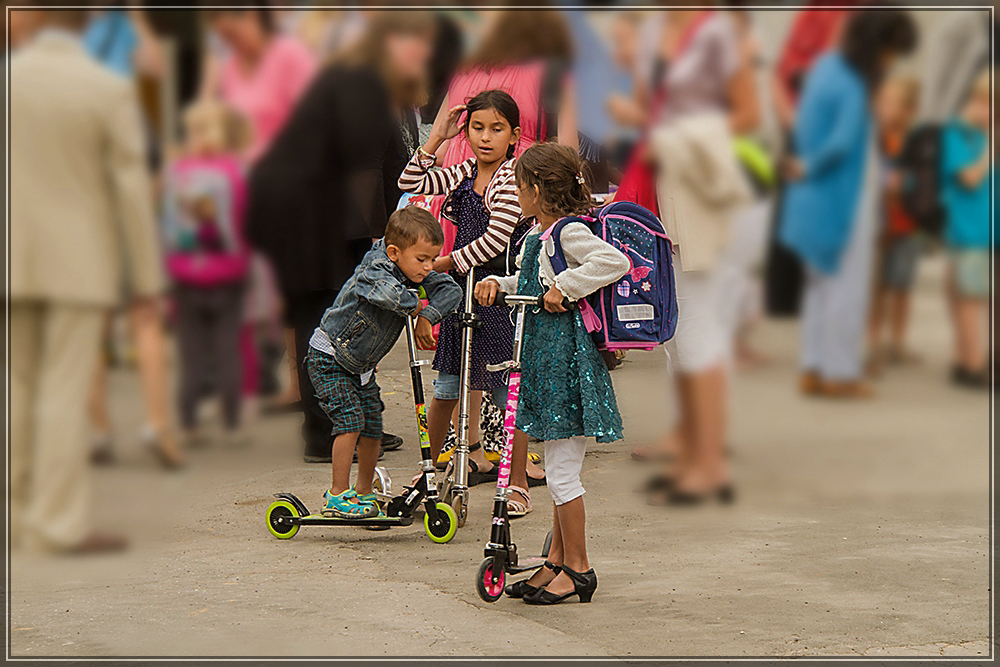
pixel 421 177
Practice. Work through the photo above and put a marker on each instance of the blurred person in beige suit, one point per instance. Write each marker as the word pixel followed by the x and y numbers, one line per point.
pixel 81 225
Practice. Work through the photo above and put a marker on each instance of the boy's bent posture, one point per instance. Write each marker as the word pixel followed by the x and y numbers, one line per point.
pixel 357 331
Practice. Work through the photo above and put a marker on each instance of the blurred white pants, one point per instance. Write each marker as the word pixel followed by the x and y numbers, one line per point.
pixel 701 338
pixel 746 252
pixel 835 306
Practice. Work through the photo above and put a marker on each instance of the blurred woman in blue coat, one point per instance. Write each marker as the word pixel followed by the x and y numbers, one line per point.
pixel 830 213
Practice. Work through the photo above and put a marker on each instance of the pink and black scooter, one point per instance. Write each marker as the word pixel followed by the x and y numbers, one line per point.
pixel 501 553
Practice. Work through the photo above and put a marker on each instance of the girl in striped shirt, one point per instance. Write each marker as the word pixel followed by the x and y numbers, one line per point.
pixel 482 203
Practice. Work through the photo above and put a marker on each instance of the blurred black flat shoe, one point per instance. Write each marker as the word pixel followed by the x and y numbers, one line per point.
pixel 657 483
pixel 963 377
pixel 725 494
pixel 103 455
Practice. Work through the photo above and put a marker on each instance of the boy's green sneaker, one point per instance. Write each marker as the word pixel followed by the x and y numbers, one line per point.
pixel 373 499
pixel 341 507
pixel 369 498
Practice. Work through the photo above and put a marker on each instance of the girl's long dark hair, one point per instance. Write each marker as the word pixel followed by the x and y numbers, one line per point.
pixel 499 101
pixel 870 34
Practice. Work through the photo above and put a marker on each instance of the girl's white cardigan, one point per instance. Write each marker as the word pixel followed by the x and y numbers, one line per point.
pixel 592 264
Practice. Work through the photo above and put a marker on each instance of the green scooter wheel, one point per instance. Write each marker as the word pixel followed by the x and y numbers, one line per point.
pixel 444 528
pixel 277 519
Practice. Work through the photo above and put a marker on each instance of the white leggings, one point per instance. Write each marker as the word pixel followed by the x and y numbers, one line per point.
pixel 563 463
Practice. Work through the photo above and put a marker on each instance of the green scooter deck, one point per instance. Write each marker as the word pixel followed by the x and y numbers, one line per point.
pixel 320 520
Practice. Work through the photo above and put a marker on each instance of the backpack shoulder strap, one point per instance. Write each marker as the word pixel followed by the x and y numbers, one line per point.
pixel 558 257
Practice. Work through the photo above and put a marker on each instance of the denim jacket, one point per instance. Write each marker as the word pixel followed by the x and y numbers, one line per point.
pixel 369 313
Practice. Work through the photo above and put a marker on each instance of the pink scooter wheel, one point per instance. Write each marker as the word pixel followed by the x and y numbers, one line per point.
pixel 489 590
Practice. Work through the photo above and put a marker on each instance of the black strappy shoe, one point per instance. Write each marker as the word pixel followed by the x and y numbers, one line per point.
pixel 520 589
pixel 584 585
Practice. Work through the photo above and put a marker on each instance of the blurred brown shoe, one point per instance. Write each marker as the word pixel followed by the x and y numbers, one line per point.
pixel 875 364
pixel 902 357
pixel 98 543
pixel 852 389
pixel 810 383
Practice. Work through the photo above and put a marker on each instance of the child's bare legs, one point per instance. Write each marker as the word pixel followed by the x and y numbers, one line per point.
pixel 343 455
pixel 544 575
pixel 682 438
pixel 519 462
pixel 899 317
pixel 702 465
pixel 368 451
pixel 147 332
pixel 475 412
pixel 571 519
pixel 438 418
pixel 443 412
pixel 969 320
pixel 875 319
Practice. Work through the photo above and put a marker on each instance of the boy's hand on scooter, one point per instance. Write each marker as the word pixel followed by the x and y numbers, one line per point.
pixel 486 292
pixel 420 306
pixel 424 333
pixel 554 300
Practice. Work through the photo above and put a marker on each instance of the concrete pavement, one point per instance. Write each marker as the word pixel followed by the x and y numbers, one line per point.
pixel 859 529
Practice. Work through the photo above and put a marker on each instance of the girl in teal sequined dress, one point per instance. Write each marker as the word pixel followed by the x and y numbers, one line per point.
pixel 566 391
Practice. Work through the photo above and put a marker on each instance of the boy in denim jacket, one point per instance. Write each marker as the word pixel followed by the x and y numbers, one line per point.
pixel 357 331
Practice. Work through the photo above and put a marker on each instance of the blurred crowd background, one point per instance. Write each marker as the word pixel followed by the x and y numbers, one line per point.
pixel 190 188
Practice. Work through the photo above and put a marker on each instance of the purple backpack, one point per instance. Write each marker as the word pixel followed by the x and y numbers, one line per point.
pixel 640 310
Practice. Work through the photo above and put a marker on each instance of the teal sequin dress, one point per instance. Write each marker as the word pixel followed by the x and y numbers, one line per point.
pixel 566 389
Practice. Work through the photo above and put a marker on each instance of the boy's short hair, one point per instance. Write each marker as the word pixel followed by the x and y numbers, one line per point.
pixel 410 224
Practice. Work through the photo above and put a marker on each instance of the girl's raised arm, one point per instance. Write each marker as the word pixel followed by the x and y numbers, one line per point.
pixel 421 177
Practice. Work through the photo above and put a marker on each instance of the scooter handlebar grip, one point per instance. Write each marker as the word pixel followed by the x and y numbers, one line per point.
pixel 539 301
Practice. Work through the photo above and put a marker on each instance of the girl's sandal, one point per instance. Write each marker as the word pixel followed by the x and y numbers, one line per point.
pixel 517 508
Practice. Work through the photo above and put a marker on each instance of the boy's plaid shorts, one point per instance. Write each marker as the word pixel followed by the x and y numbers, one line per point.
pixel 351 407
